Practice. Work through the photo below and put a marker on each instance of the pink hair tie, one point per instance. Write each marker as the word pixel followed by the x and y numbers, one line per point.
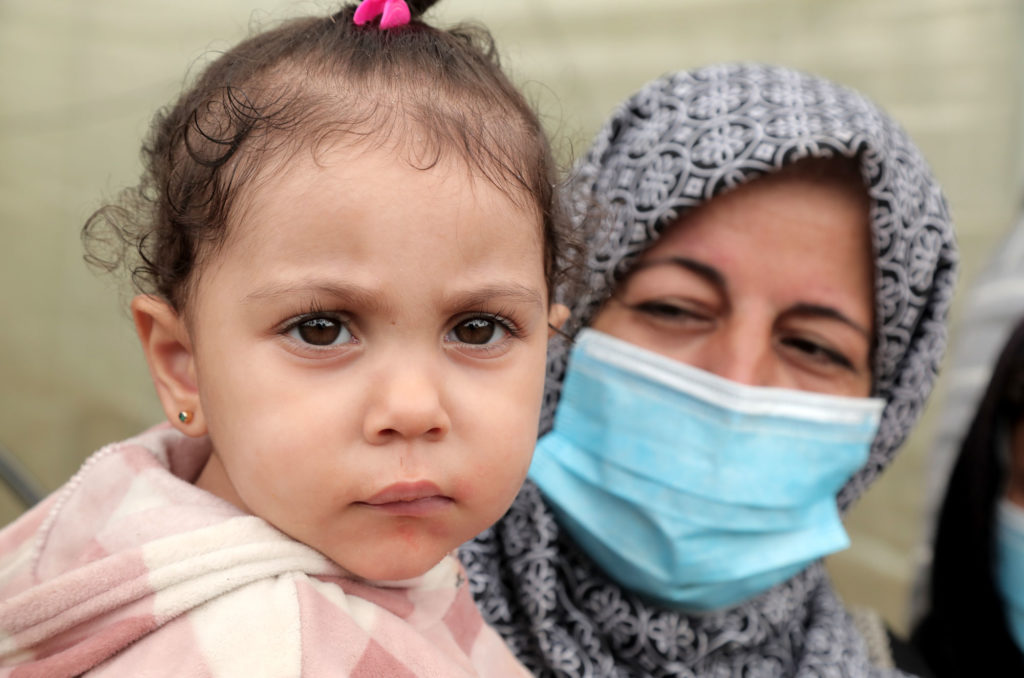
pixel 392 13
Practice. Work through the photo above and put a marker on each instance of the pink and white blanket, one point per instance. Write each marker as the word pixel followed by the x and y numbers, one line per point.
pixel 130 570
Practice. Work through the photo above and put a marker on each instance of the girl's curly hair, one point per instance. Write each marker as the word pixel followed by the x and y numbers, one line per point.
pixel 303 84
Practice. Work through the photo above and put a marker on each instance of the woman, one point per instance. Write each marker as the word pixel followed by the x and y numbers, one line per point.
pixel 715 570
pixel 975 625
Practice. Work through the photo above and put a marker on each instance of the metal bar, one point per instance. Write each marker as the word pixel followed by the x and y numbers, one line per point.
pixel 18 479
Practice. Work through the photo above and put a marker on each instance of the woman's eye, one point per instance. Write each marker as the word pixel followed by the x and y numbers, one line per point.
pixel 478 331
pixel 321 331
pixel 817 352
pixel 668 311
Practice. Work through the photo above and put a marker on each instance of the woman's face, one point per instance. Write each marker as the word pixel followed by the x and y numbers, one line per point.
pixel 770 285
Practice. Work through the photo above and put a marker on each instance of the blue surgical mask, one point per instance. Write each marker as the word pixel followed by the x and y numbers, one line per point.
pixel 1010 566
pixel 690 489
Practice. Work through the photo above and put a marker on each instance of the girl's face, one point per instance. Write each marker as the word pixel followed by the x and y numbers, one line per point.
pixel 770 285
pixel 368 352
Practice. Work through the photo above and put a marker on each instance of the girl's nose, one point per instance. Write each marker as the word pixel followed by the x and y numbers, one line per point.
pixel 406 404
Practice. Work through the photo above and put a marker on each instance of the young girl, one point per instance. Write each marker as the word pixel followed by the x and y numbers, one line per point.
pixel 345 240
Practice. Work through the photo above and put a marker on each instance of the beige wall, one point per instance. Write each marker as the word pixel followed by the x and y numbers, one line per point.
pixel 80 80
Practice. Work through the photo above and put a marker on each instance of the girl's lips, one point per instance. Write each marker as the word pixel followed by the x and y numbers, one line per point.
pixel 409 499
pixel 414 507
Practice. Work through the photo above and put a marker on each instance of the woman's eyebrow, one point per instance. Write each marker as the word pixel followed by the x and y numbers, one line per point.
pixel 820 311
pixel 710 274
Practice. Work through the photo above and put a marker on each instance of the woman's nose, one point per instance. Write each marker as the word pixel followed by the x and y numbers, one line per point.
pixel 406 403
pixel 741 353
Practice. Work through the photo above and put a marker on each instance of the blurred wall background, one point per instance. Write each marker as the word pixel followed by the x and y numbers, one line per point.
pixel 79 82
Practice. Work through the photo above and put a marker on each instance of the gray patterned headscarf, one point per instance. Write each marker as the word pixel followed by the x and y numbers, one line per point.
pixel 677 143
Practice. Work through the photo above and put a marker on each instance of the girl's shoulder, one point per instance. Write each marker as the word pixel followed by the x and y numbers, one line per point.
pixel 130 569
pixel 317 625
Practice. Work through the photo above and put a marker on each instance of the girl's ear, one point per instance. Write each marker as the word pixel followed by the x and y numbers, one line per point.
pixel 168 348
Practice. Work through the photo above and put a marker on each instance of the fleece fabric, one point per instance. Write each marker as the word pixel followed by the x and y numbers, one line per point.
pixel 131 570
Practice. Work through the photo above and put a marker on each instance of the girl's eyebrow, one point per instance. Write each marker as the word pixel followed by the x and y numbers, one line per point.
pixel 375 301
pixel 511 292
pixel 354 294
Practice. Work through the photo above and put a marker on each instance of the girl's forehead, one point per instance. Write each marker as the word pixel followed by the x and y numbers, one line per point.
pixel 366 213
pixel 405 148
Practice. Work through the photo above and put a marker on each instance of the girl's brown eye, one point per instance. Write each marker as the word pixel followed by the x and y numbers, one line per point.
pixel 321 331
pixel 478 331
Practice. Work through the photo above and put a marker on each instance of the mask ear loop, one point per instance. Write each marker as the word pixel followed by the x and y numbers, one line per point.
pixel 562 333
